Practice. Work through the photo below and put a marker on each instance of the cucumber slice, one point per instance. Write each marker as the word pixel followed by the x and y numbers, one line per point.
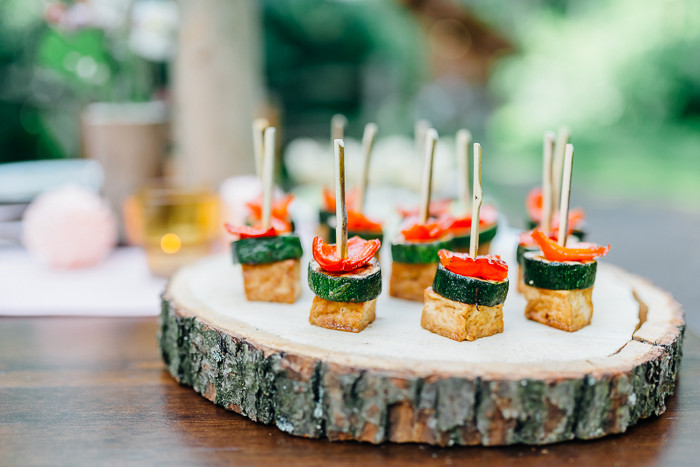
pixel 361 285
pixel 266 249
pixel 469 289
pixel 418 253
pixel 578 233
pixel 553 275
pixel 485 236
pixel 522 249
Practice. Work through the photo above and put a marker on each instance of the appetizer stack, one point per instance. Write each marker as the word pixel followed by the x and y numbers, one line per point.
pixel 558 283
pixel 345 278
pixel 466 299
pixel 268 252
pixel 414 250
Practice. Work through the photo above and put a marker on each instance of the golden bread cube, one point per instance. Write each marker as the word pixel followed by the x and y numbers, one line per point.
pixel 279 281
pixel 409 281
pixel 568 310
pixel 342 316
pixel 459 321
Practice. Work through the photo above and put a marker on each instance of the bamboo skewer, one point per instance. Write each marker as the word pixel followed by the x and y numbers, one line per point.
pixel 565 195
pixel 426 186
pixel 476 203
pixel 367 143
pixel 341 214
pixel 259 125
pixel 546 221
pixel 338 125
pixel 559 148
pixel 419 130
pixel 268 176
pixel 464 141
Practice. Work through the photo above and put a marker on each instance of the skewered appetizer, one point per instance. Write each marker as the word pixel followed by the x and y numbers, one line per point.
pixel 415 257
pixel 270 260
pixel 414 251
pixel 466 299
pixel 558 283
pixel 347 288
pixel 345 277
pixel 268 252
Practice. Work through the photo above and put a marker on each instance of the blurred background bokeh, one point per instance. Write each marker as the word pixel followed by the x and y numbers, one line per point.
pixel 164 88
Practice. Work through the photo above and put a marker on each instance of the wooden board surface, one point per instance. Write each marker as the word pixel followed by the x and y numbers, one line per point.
pixel 94 391
pixel 398 382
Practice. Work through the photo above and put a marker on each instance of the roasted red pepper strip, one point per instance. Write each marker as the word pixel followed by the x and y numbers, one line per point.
pixel 581 252
pixel 329 199
pixel 490 268
pixel 533 203
pixel 434 229
pixel 525 238
pixel 246 231
pixel 358 222
pixel 462 225
pixel 360 251
pixel 280 208
pixel 436 209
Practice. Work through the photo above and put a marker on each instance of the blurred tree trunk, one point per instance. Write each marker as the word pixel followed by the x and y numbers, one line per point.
pixel 217 88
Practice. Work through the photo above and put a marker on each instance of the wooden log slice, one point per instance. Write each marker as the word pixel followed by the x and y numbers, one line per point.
pixel 397 382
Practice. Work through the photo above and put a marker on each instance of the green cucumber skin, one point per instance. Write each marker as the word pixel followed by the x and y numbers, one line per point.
pixel 485 236
pixel 552 275
pixel 365 235
pixel 469 290
pixel 521 250
pixel 580 234
pixel 266 249
pixel 418 253
pixel 345 287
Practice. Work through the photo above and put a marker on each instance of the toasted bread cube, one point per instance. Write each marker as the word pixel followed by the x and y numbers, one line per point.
pixel 520 287
pixel 409 281
pixel 279 281
pixel 459 321
pixel 343 316
pixel 568 310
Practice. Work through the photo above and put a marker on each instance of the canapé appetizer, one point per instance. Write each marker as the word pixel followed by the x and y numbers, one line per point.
pixel 345 277
pixel 347 288
pixel 466 299
pixel 558 283
pixel 270 260
pixel 414 251
pixel 268 252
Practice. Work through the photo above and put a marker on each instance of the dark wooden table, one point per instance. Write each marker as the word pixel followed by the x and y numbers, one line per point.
pixel 93 391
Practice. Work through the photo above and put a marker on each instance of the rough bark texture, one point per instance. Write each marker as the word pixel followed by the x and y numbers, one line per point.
pixel 309 397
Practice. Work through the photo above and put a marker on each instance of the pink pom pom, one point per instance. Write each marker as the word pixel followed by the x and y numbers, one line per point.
pixel 69 228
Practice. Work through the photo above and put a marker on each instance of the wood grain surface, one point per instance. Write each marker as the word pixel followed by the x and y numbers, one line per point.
pixel 94 391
